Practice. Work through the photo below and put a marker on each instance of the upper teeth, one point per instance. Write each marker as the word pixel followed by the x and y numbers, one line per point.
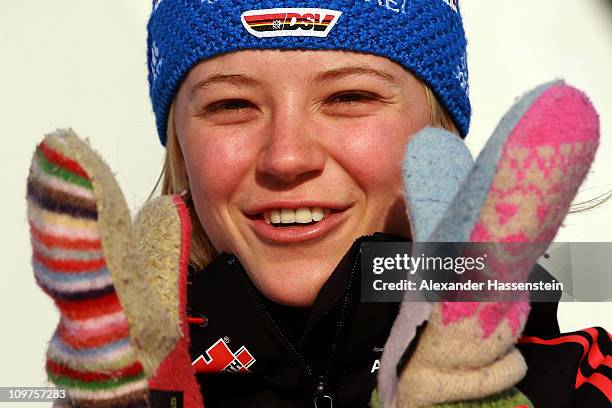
pixel 300 215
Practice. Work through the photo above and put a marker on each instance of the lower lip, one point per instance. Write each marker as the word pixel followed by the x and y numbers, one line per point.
pixel 290 235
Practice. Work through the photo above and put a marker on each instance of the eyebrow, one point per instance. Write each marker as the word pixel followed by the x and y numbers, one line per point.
pixel 237 80
pixel 339 73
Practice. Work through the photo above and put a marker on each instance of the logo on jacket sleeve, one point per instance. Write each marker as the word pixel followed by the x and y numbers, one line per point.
pixel 219 358
pixel 290 22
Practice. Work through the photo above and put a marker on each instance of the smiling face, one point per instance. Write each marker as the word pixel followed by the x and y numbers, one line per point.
pixel 292 155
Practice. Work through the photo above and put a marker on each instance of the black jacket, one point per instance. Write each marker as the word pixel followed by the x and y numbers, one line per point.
pixel 251 352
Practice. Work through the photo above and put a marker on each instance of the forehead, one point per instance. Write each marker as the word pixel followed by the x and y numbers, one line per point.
pixel 298 65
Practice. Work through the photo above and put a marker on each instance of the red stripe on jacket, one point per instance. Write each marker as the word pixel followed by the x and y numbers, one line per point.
pixel 590 350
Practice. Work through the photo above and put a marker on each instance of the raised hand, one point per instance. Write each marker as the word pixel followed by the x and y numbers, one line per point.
pixel 519 190
pixel 120 289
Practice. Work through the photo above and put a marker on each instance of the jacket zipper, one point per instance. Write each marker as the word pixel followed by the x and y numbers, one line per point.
pixel 322 397
pixel 297 357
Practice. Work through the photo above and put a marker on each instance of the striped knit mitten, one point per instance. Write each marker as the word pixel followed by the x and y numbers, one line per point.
pixel 122 339
pixel 519 190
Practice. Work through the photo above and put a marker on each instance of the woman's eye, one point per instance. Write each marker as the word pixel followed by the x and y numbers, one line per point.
pixel 228 105
pixel 229 112
pixel 351 104
pixel 351 97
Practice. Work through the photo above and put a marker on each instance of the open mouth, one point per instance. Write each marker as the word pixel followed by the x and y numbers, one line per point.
pixel 285 225
pixel 298 217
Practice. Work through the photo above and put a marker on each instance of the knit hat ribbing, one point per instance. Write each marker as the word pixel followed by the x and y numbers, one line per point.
pixel 424 36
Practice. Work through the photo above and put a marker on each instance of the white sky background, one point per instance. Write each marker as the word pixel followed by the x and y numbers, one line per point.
pixel 82 64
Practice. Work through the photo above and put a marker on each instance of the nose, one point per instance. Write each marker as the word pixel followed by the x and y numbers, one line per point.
pixel 291 151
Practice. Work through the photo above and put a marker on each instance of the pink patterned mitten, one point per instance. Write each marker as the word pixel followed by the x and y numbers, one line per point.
pixel 519 190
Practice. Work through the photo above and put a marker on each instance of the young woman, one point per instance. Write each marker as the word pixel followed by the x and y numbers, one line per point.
pixel 285 169
pixel 285 125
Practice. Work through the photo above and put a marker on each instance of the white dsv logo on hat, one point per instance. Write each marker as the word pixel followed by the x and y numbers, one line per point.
pixel 290 22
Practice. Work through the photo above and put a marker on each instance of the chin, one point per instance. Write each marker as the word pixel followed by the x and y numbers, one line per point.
pixel 294 286
pixel 298 300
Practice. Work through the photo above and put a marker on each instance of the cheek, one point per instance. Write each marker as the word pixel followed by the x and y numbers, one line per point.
pixel 216 164
pixel 373 153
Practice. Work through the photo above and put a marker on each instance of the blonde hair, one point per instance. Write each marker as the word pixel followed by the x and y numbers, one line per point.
pixel 174 177
pixel 174 181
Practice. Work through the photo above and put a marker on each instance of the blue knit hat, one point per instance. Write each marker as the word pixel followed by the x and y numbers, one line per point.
pixel 425 36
